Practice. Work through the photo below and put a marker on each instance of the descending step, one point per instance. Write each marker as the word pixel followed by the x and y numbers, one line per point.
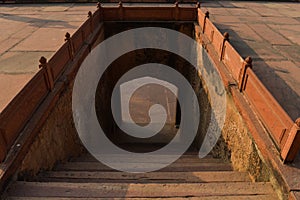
pixel 110 190
pixel 151 177
pixel 189 177
pixel 175 167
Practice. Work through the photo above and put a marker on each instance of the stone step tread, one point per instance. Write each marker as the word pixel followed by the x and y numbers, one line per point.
pixel 174 167
pixel 221 197
pixel 183 158
pixel 120 190
pixel 165 177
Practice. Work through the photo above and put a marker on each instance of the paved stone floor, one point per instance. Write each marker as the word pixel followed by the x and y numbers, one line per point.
pixel 29 32
pixel 267 31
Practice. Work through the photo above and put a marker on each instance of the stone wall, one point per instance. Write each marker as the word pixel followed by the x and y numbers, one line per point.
pixel 237 146
pixel 56 141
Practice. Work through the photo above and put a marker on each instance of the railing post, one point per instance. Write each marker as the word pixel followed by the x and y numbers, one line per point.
pixel 292 144
pixel 90 16
pixel 47 73
pixel 204 21
pixel 70 45
pixel 197 11
pixel 243 75
pixel 177 11
pixel 121 12
pixel 100 10
pixel 226 38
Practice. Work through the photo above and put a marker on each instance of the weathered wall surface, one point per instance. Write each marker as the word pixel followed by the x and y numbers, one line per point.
pixel 237 146
pixel 56 141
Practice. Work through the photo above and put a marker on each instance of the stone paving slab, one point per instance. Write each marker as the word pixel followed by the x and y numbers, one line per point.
pixel 28 32
pixel 290 32
pixel 17 62
pixel 7 44
pixel 265 32
pixel 269 32
pixel 47 38
pixel 10 85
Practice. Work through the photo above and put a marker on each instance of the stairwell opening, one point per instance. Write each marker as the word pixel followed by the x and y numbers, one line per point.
pixel 235 144
pixel 143 98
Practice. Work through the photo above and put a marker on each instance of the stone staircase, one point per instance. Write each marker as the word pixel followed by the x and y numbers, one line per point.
pixel 189 177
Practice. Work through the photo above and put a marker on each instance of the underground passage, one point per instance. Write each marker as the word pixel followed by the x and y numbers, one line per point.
pixel 147 95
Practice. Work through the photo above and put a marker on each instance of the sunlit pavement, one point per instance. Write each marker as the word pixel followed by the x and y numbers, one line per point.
pixel 29 32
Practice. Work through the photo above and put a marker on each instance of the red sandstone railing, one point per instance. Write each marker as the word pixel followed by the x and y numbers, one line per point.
pixel 171 13
pixel 16 115
pixel 285 132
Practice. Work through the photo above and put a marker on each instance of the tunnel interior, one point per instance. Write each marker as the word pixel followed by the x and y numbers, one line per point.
pixel 146 96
